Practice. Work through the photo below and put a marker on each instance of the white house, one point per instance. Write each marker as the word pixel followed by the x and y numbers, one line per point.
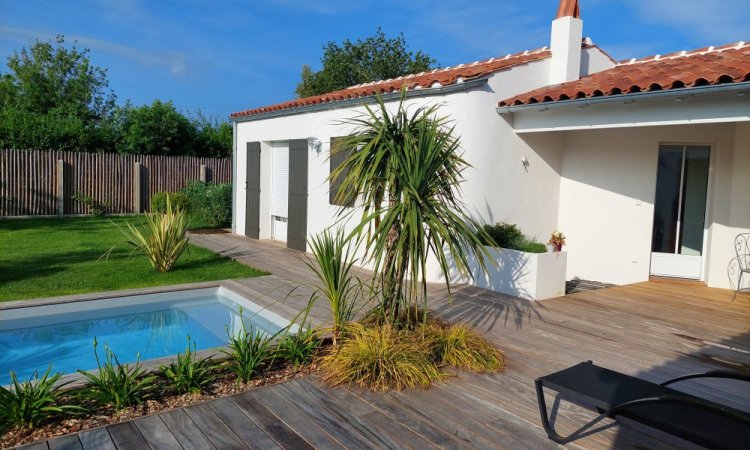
pixel 644 164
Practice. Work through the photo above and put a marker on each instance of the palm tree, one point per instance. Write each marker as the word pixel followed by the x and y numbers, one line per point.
pixel 407 168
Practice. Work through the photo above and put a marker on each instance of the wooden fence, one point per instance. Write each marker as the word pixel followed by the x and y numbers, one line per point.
pixel 42 182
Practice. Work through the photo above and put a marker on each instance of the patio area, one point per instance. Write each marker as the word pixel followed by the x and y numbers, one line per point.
pixel 654 330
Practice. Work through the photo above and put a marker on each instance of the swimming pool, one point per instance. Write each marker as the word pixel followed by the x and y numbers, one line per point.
pixel 149 325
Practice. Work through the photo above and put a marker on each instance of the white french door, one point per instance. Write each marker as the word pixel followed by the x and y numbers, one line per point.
pixel 280 191
pixel 680 211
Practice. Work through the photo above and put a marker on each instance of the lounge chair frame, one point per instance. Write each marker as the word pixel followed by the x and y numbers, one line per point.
pixel 613 411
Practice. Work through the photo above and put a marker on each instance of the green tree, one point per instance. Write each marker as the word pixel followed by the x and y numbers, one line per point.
pixel 213 137
pixel 375 58
pixel 155 129
pixel 52 97
pixel 407 169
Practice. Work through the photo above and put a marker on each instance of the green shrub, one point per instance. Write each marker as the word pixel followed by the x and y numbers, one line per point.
pixel 27 404
pixel 179 200
pixel 115 384
pixel 508 235
pixel 249 352
pixel 299 348
pixel 459 346
pixel 187 374
pixel 164 239
pixel 210 204
pixel 381 358
pixel 94 207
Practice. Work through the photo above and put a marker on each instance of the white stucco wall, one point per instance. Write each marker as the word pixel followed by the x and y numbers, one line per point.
pixel 497 187
pixel 607 194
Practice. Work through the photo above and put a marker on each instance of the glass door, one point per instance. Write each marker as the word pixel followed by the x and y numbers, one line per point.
pixel 680 211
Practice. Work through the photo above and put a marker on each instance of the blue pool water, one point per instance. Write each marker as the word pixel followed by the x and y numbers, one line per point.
pixel 63 335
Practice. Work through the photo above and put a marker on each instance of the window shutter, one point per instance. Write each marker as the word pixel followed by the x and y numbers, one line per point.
pixel 335 160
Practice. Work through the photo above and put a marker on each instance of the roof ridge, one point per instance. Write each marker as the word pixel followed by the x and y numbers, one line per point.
pixel 457 66
pixel 685 53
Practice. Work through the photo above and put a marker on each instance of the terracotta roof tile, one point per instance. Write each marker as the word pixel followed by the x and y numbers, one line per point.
pixel 433 78
pixel 706 66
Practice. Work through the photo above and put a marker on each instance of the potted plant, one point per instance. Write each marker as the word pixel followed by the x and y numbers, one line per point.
pixel 557 240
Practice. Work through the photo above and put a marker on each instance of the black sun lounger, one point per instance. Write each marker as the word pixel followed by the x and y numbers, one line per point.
pixel 614 394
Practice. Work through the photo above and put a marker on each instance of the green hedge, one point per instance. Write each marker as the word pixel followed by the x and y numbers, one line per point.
pixel 178 200
pixel 210 204
pixel 508 235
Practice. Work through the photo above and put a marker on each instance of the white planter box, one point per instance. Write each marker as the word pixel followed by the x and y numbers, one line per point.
pixel 533 276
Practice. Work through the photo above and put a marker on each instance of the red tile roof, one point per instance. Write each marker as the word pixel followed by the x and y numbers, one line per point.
pixel 437 77
pixel 706 66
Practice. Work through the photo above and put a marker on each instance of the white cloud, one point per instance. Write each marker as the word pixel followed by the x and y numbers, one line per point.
pixel 174 62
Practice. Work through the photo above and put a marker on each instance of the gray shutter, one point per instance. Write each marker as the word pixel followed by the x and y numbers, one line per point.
pixel 252 191
pixel 335 161
pixel 297 225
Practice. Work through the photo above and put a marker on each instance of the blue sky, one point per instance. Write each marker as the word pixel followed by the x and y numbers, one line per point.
pixel 227 56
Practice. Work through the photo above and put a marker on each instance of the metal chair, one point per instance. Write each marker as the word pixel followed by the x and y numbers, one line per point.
pixel 742 248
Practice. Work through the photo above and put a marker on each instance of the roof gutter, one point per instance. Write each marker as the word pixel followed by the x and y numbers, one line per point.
pixel 629 98
pixel 359 101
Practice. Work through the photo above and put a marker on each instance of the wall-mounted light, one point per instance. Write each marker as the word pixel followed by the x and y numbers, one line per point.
pixel 525 163
pixel 314 144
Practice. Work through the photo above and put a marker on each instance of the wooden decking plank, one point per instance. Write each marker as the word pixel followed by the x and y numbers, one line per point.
pixel 414 421
pixel 69 442
pixel 96 439
pixel 156 433
pixel 215 430
pixel 268 422
pixel 295 419
pixel 126 436
pixel 241 425
pixel 187 433
pixel 306 388
pixel 346 436
pixel 396 431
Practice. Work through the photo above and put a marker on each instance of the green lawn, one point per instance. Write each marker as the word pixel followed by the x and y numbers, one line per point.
pixel 61 256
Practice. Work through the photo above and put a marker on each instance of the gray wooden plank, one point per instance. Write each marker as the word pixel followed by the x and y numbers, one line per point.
pixel 41 445
pixel 126 436
pixel 214 428
pixel 306 388
pixel 415 422
pixel 156 433
pixel 346 436
pixel 96 439
pixel 241 425
pixel 185 430
pixel 395 430
pixel 295 419
pixel 68 442
pixel 268 422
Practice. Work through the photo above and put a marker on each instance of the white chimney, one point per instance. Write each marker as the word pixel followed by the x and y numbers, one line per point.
pixel 565 43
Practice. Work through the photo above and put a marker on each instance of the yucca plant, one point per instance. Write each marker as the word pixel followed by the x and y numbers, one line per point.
pixel 334 267
pixel 187 373
pixel 250 350
pixel 381 358
pixel 407 168
pixel 164 238
pixel 26 404
pixel 115 384
pixel 460 346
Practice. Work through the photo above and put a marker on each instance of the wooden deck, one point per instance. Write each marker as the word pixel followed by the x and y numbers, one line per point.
pixel 654 330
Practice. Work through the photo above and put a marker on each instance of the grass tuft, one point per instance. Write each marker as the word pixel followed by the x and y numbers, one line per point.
pixel 459 346
pixel 187 374
pixel 381 358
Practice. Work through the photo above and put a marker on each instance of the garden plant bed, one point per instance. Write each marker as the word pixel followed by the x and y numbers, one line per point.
pixel 62 256
pixel 226 385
